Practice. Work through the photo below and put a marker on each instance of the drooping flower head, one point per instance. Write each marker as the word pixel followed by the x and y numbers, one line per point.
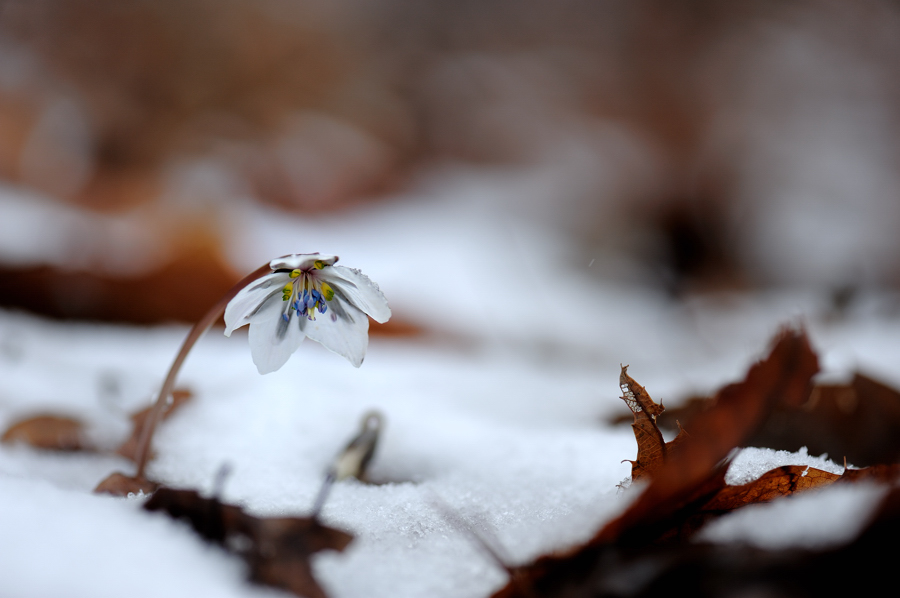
pixel 306 295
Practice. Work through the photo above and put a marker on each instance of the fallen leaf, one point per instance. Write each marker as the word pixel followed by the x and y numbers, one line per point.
pixel 281 551
pixel 277 549
pixel 119 484
pixel 689 478
pixel 776 483
pixel 885 474
pixel 184 287
pixel 394 327
pixel 713 570
pixel 652 448
pixel 781 378
pixel 636 396
pixel 51 432
pixel 859 420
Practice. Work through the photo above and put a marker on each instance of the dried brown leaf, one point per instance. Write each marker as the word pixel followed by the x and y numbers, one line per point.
pixel 277 549
pixel 781 378
pixel 636 397
pixel 652 448
pixel 119 484
pixel 712 570
pixel 885 474
pixel 859 420
pixel 782 481
pixel 282 549
pixel 51 432
pixel 691 477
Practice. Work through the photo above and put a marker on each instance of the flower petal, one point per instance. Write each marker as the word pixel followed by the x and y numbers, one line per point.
pixel 249 300
pixel 359 291
pixel 342 329
pixel 273 341
pixel 302 261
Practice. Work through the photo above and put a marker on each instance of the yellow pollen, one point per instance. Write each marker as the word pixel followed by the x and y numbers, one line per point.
pixel 327 291
pixel 296 273
pixel 319 264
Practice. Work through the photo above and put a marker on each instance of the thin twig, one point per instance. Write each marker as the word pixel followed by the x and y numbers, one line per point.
pixel 327 483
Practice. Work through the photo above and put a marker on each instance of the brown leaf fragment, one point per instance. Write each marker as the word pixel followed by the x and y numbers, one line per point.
pixel 886 474
pixel 776 483
pixel 119 484
pixel 652 447
pixel 673 444
pixel 128 449
pixel 721 570
pixel 183 288
pixel 636 397
pixel 282 547
pixel 781 378
pixel 50 432
pixel 859 420
pixel 690 478
pixel 277 549
pixel 781 481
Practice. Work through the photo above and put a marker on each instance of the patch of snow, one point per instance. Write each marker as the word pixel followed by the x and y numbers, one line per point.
pixel 816 519
pixel 751 463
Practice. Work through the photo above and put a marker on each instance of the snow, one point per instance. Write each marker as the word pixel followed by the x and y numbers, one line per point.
pixel 815 520
pixel 497 414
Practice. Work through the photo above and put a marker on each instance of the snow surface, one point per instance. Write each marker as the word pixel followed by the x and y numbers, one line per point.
pixel 499 412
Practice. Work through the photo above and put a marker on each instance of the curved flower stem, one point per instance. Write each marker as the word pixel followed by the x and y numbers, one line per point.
pixel 143 448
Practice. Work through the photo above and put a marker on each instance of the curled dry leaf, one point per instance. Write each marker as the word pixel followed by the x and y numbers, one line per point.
pixel 643 553
pixel 51 432
pixel 688 479
pixel 723 570
pixel 739 409
pixel 277 549
pixel 652 448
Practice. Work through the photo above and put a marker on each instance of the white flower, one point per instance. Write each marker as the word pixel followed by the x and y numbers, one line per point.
pixel 306 295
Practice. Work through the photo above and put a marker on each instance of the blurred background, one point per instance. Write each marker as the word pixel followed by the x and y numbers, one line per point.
pixel 682 148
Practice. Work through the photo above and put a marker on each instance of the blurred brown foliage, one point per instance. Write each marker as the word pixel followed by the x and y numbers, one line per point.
pixel 717 143
pixel 640 552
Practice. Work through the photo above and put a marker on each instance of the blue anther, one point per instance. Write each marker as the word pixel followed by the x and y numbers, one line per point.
pixel 317 295
pixel 322 307
pixel 285 317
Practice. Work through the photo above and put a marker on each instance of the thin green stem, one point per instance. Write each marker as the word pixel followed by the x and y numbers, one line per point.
pixel 143 449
